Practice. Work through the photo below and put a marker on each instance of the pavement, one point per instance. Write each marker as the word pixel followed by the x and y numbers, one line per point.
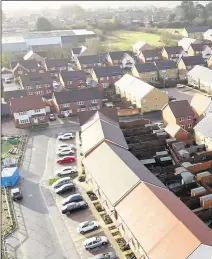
pixel 38 234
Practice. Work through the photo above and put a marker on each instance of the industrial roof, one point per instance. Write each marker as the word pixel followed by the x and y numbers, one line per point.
pixel 120 171
pixel 43 41
pixel 171 229
pixel 99 131
pixel 15 39
pixel 205 126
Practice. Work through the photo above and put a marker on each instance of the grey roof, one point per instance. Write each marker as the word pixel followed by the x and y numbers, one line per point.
pixel 28 64
pixel 151 53
pixel 165 64
pixel 205 126
pixel 192 29
pixel 77 95
pixel 77 50
pixel 193 60
pixel 202 252
pixel 62 62
pixel 14 94
pixel 146 67
pixel 92 59
pixel 174 49
pixel 99 131
pixel 33 79
pixel 197 46
pixel 118 55
pixel 73 75
pixel 120 171
pixel 181 108
pixel 107 71
pixel 5 109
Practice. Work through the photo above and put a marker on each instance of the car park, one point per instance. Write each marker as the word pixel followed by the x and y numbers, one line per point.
pixel 52 117
pixel 72 198
pixel 66 146
pixel 61 181
pixel 65 152
pixel 94 242
pixel 65 187
pixel 66 136
pixel 109 255
pixel 87 226
pixel 16 194
pixel 74 206
pixel 67 159
pixel 67 171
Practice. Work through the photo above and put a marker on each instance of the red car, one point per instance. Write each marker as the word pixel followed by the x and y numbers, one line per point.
pixel 66 159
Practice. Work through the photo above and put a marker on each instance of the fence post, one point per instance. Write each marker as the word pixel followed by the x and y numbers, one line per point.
pixel 5 193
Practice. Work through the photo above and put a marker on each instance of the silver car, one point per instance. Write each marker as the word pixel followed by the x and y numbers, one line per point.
pixel 94 242
pixel 109 255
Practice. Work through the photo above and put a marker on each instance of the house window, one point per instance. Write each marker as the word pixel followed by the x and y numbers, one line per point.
pixel 114 77
pixel 30 93
pixel 52 69
pixel 80 103
pixel 48 91
pixel 181 119
pixel 37 110
pixel 94 101
pixel 66 105
pixel 41 118
pixel 189 126
pixel 22 113
pixel 70 82
pixel 28 87
pixel 183 126
pixel 39 92
pixel 62 68
pixel 101 78
pixel 47 85
pixel 189 117
pixel 105 85
pixel 80 81
pixel 24 121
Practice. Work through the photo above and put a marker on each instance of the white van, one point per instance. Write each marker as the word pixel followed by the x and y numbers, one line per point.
pixel 61 181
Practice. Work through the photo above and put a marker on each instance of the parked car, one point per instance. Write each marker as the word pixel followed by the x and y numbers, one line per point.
pixel 65 152
pixel 65 187
pixel 72 198
pixel 94 242
pixel 66 146
pixel 67 171
pixel 109 255
pixel 74 206
pixel 66 159
pixel 180 86
pixel 16 194
pixel 8 80
pixel 52 117
pixel 61 181
pixel 66 136
pixel 171 98
pixel 87 226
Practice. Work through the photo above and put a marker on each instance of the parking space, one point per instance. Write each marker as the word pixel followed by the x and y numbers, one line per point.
pixel 10 86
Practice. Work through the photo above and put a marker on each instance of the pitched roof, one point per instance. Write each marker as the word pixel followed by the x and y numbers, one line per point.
pixel 166 64
pixel 98 115
pixel 14 94
pixel 61 62
pixel 173 129
pixel 5 109
pixel 108 71
pixel 139 45
pixel 205 126
pixel 33 79
pixel 118 55
pixel 186 42
pixel 181 108
pixel 197 46
pixel 201 73
pixel 151 53
pixel 146 67
pixel 92 59
pixel 200 103
pixel 73 75
pixel 77 50
pixel 174 49
pixel 77 95
pixel 99 131
pixel 120 171
pixel 26 103
pixel 174 231
pixel 192 29
pixel 193 60
pixel 111 113
pixel 28 64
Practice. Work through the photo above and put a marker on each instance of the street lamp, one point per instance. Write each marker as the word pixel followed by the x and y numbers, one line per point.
pixel 164 80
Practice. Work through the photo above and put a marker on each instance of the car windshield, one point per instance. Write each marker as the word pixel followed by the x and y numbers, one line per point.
pixel 98 239
pixel 86 224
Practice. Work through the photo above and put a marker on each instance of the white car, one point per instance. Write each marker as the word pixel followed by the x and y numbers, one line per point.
pixel 66 136
pixel 180 86
pixel 87 226
pixel 61 147
pixel 94 242
pixel 8 80
pixel 67 170
pixel 66 152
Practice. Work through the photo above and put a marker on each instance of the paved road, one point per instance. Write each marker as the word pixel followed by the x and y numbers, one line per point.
pixel 36 236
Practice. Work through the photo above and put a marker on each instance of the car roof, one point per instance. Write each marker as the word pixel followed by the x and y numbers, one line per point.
pixel 15 190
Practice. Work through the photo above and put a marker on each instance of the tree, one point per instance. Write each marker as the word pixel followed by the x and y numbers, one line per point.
pixel 198 21
pixel 71 11
pixel 189 10
pixel 93 46
pixel 172 17
pixel 43 24
pixel 209 21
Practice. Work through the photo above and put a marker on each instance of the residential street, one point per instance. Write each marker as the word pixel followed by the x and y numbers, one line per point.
pixel 39 235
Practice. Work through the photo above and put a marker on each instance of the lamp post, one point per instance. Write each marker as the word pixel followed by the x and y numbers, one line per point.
pixel 164 80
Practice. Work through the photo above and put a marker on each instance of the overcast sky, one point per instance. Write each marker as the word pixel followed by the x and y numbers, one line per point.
pixel 12 5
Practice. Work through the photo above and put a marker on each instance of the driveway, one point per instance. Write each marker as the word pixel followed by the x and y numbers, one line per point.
pixel 10 87
pixel 39 235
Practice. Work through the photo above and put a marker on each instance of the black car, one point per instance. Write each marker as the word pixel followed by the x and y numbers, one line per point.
pixel 74 206
pixel 16 194
pixel 171 98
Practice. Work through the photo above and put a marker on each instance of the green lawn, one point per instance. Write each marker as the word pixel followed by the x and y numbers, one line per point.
pixel 172 30
pixel 123 40
pixel 5 147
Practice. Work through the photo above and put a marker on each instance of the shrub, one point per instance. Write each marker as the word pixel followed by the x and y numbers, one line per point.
pixel 81 178
pixel 107 219
pixel 116 233
pixel 122 244
pixel 92 195
pixel 52 180
pixel 98 207
pixel 131 256
pixel 112 227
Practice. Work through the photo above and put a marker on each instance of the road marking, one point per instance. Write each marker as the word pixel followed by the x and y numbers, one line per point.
pixel 60 121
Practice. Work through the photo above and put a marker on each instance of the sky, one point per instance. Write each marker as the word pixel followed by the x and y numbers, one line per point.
pixel 36 5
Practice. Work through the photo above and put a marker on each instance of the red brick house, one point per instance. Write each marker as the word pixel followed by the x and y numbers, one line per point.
pixel 25 67
pixel 73 79
pixel 37 83
pixel 175 131
pixel 73 102
pixel 180 113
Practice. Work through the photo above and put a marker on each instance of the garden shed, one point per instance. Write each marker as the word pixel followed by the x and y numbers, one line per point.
pixel 9 176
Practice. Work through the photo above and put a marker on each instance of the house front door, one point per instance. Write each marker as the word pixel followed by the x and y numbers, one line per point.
pixel 35 120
